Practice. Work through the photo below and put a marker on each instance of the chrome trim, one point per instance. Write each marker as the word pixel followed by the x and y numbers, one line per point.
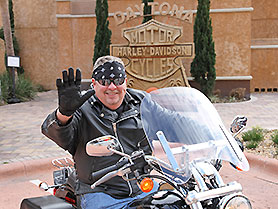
pixel 223 202
pixel 120 172
pixel 161 162
pixel 119 153
pixel 218 177
pixel 206 169
pixel 168 151
pixel 199 179
pixel 194 197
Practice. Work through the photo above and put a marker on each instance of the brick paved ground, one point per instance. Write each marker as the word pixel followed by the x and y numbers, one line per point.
pixel 261 110
pixel 21 138
pixel 20 134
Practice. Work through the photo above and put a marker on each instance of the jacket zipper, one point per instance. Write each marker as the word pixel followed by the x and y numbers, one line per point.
pixel 116 134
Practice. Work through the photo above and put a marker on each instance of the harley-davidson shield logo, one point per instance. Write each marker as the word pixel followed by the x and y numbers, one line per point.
pixel 152 54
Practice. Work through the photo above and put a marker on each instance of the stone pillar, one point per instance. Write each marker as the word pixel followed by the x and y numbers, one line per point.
pixel 36 32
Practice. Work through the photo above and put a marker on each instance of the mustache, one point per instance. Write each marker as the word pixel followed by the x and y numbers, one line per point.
pixel 112 91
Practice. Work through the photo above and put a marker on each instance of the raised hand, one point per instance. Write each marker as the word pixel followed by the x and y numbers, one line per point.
pixel 69 95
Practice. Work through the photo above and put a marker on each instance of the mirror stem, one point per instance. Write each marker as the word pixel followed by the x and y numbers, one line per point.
pixel 119 153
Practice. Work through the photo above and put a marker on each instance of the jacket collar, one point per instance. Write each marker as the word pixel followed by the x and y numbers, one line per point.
pixel 129 110
pixel 130 99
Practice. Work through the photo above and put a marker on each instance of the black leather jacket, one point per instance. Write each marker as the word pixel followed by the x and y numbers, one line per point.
pixel 93 120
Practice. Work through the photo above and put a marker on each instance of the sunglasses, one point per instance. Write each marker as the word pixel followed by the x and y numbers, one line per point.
pixel 107 82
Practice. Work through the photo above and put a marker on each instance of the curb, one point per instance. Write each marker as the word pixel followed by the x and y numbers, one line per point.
pixel 29 167
pixel 26 168
pixel 264 164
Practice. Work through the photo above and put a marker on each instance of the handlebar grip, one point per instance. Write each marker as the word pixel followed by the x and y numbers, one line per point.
pixel 98 174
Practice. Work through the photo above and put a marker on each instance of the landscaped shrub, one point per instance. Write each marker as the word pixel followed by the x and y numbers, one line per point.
pixel 274 137
pixel 24 89
pixel 253 137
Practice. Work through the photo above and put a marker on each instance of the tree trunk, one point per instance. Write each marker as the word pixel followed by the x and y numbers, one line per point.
pixel 7 27
pixel 7 32
pixel 4 9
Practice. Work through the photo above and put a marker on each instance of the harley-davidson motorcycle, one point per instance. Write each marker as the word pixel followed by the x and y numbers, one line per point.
pixel 189 143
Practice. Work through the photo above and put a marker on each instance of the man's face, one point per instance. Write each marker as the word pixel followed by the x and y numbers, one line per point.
pixel 111 96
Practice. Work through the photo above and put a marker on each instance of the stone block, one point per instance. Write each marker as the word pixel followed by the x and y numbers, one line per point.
pixel 264 69
pixel 79 7
pixel 38 49
pixel 35 13
pixel 63 7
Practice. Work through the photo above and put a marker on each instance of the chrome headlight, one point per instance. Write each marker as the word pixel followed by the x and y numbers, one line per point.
pixel 235 201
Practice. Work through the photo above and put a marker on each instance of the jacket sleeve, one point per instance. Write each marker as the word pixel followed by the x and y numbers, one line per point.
pixel 65 136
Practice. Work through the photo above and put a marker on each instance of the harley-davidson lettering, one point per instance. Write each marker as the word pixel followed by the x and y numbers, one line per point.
pixel 152 54
pixel 154 51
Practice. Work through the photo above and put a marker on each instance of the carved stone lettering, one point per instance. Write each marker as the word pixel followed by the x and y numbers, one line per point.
pixel 152 54
pixel 156 9
pixel 164 8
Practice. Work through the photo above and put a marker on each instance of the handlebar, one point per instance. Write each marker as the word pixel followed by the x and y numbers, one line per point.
pixel 98 174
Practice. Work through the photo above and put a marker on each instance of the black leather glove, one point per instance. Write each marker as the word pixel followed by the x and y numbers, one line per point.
pixel 69 95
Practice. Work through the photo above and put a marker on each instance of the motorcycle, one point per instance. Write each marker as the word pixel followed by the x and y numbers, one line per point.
pixel 189 143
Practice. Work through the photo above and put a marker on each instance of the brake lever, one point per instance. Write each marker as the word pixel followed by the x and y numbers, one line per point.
pixel 120 172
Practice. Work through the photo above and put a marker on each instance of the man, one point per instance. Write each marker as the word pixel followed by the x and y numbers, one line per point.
pixel 112 110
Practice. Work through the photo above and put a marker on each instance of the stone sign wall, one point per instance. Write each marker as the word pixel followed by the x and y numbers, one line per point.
pixel 152 57
pixel 56 34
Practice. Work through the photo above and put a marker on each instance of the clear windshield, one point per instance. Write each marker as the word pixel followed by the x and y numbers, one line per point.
pixel 184 127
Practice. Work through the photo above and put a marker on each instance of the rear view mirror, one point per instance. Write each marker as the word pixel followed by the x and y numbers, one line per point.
pixel 238 123
pixel 100 146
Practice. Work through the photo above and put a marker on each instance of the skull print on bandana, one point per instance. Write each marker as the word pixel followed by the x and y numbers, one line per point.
pixel 109 70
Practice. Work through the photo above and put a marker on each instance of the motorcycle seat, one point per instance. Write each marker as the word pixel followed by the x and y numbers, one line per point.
pixel 45 202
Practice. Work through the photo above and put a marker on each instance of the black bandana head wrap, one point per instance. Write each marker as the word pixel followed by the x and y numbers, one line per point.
pixel 109 70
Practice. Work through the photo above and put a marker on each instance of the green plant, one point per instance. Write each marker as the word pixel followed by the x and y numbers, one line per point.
pixel 147 11
pixel 202 67
pixel 217 99
pixel 5 83
pixel 251 145
pixel 103 33
pixel 39 88
pixel 253 137
pixel 274 137
pixel 25 90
